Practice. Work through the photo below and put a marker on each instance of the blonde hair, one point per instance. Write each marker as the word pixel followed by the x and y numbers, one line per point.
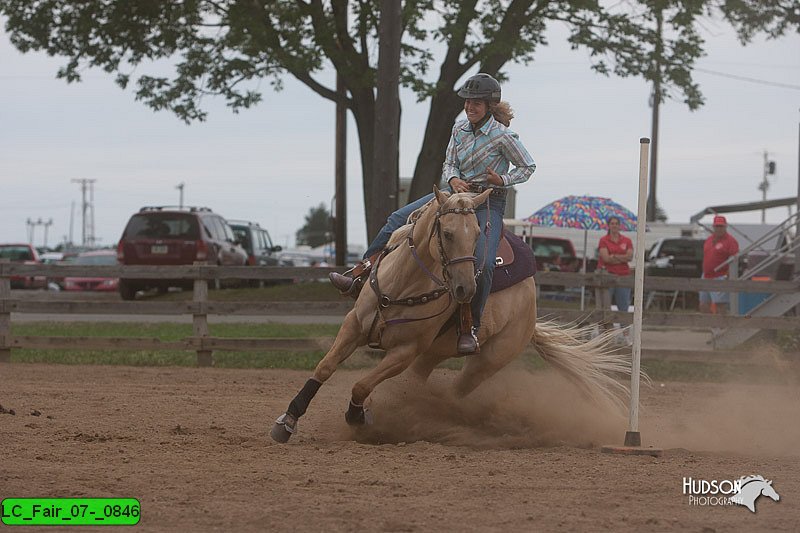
pixel 502 112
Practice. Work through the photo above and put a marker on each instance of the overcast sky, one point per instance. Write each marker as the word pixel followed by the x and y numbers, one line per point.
pixel 273 163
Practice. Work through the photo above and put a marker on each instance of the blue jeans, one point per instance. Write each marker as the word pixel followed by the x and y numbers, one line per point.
pixel 486 252
pixel 395 220
pixel 621 297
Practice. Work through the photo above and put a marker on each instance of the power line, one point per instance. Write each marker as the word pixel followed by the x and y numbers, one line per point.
pixel 752 80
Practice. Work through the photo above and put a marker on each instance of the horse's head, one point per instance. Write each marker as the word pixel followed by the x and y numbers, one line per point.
pixel 457 232
pixel 767 490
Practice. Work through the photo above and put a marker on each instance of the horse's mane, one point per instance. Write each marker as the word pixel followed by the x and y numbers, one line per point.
pixel 745 480
pixel 401 233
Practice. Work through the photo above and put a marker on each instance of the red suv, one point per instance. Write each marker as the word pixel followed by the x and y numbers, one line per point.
pixel 25 254
pixel 175 236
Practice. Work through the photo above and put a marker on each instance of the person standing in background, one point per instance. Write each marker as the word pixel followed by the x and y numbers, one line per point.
pixel 616 251
pixel 717 249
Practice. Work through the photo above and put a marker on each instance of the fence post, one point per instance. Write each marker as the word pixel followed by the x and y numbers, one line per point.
pixel 733 273
pixel 602 300
pixel 200 318
pixel 5 315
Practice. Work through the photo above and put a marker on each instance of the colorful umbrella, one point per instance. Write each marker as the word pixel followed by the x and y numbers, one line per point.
pixel 584 212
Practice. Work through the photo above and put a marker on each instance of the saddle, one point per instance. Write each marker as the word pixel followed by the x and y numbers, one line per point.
pixel 505 253
pixel 514 262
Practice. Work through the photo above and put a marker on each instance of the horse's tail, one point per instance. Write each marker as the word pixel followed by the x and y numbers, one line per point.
pixel 593 363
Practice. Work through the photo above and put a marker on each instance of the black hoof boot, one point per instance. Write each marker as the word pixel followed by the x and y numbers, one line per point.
pixel 284 428
pixel 357 415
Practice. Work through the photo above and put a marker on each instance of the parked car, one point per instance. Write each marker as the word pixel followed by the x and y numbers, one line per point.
pixel 54 283
pixel 297 258
pixel 25 254
pixel 175 236
pixel 554 254
pixel 557 254
pixel 91 283
pixel 259 247
pixel 676 257
pixel 51 258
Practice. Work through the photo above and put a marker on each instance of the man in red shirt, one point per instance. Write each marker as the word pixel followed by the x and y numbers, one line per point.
pixel 616 250
pixel 716 250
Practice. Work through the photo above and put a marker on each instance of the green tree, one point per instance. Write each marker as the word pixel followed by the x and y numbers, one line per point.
pixel 224 47
pixel 661 214
pixel 318 229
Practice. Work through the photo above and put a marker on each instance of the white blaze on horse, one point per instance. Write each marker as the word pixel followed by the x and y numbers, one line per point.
pixel 414 291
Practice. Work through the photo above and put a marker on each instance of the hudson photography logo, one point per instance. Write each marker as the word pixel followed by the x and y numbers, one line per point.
pixel 743 491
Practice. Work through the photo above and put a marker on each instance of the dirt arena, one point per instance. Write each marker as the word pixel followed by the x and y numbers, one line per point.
pixel 520 454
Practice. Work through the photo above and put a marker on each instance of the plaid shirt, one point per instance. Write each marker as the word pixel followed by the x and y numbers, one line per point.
pixel 469 154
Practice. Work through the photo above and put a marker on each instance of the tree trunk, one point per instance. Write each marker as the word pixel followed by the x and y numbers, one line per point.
pixel 364 115
pixel 445 107
pixel 387 114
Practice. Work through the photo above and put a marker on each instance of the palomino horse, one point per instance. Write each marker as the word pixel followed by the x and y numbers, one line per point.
pixel 413 292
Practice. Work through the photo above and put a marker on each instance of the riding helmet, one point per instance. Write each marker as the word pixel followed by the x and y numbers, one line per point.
pixel 481 86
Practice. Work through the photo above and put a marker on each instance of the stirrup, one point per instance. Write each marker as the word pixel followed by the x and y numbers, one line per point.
pixel 355 284
pixel 468 342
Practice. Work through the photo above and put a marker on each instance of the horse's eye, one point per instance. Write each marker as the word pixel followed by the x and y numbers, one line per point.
pixel 448 235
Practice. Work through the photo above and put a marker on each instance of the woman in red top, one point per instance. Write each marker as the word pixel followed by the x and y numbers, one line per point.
pixel 616 250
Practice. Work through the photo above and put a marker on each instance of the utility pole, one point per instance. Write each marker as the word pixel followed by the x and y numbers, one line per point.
pixel 71 222
pixel 340 170
pixel 46 226
pixel 769 169
pixel 656 101
pixel 87 233
pixel 92 240
pixel 180 188
pixel 29 226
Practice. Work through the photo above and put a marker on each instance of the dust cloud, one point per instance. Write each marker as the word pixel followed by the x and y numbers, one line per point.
pixel 514 409
pixel 731 417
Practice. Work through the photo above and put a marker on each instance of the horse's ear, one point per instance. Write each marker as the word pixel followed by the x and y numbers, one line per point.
pixel 441 197
pixel 478 200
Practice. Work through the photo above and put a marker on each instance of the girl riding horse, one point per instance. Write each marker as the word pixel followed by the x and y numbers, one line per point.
pixel 477 159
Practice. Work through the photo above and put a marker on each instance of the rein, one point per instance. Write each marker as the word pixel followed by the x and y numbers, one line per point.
pixel 442 287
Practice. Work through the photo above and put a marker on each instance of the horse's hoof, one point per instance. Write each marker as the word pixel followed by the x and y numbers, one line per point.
pixel 358 415
pixel 284 428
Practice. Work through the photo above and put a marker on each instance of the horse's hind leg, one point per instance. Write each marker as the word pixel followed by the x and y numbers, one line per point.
pixel 394 362
pixel 347 340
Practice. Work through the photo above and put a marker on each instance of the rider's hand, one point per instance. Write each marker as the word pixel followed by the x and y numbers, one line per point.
pixel 494 178
pixel 459 185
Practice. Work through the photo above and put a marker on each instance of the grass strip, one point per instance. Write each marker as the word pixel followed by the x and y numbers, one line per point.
pixel 307 360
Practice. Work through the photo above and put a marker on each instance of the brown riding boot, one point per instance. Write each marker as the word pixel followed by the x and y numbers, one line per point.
pixel 350 283
pixel 468 335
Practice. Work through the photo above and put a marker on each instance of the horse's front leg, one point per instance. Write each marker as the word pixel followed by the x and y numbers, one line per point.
pixel 347 340
pixel 394 362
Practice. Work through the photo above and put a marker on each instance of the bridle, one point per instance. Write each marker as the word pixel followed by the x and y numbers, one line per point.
pixel 442 285
pixel 437 229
